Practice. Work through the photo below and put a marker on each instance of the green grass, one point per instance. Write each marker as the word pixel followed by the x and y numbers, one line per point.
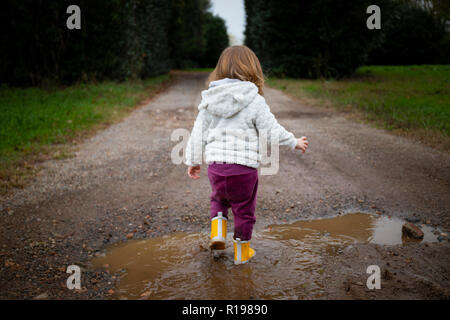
pixel 35 120
pixel 411 99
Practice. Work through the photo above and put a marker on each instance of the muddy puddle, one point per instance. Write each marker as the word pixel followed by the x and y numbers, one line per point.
pixel 287 265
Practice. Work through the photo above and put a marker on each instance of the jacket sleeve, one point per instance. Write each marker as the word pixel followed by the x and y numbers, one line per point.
pixel 197 140
pixel 265 122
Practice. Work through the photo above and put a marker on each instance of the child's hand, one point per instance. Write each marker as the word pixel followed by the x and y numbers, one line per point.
pixel 193 172
pixel 302 144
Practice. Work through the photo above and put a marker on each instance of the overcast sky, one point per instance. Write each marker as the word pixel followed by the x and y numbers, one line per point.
pixel 233 12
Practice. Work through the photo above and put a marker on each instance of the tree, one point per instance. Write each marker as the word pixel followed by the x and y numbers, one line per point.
pixel 413 33
pixel 299 38
pixel 216 39
pixel 187 43
pixel 119 39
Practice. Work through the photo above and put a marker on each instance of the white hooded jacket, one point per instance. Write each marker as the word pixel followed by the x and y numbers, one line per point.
pixel 232 116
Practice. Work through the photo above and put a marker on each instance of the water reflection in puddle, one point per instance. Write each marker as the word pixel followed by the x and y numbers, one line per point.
pixel 287 264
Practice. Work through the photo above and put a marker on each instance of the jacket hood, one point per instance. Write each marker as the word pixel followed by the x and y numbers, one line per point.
pixel 226 97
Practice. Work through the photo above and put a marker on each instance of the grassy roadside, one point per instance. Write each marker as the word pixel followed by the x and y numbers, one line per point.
pixel 38 124
pixel 411 101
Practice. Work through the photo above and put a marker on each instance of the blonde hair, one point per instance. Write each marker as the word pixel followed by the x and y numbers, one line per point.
pixel 239 62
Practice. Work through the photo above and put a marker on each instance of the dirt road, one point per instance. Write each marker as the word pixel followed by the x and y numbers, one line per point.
pixel 122 184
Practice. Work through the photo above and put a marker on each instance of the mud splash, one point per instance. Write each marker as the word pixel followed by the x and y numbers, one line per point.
pixel 287 264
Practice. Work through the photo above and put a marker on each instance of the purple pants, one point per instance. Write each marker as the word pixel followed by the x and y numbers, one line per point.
pixel 234 186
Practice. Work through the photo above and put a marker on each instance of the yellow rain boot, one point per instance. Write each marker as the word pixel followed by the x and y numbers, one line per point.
pixel 242 251
pixel 218 232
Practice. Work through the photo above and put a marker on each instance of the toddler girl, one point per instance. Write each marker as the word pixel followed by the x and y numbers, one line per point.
pixel 232 115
